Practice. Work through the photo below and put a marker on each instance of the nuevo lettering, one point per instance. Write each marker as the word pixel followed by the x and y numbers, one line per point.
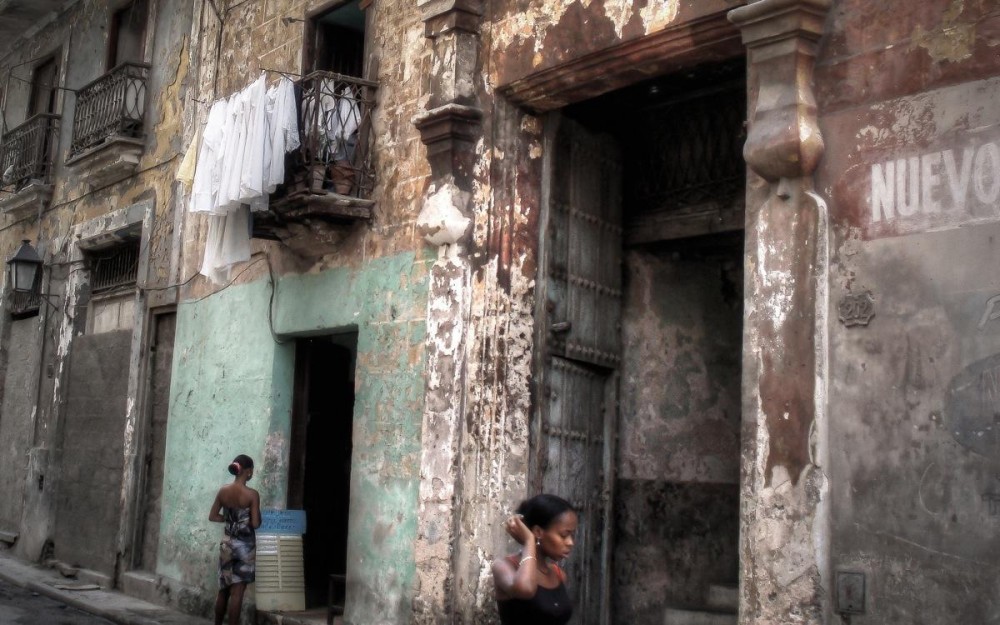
pixel 936 182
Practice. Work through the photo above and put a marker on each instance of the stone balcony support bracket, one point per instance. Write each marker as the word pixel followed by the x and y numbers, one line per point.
pixel 115 159
pixel 31 197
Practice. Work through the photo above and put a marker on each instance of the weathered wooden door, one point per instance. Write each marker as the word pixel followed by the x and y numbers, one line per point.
pixel 579 309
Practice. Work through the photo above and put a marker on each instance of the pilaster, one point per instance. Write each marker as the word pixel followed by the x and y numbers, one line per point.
pixel 784 510
pixel 449 127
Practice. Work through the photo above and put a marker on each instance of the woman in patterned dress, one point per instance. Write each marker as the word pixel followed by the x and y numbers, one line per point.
pixel 238 506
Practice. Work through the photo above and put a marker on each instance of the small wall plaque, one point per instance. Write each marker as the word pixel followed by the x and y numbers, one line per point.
pixel 856 310
pixel 850 592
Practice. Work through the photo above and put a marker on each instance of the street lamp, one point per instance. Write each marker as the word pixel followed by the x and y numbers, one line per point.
pixel 23 269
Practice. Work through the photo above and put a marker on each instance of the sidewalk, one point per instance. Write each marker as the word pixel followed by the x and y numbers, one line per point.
pixel 109 604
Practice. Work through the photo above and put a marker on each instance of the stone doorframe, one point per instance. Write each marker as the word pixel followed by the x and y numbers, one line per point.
pixel 131 222
pixel 784 537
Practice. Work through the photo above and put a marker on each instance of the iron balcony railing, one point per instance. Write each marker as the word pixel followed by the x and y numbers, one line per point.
pixel 337 141
pixel 111 106
pixel 26 152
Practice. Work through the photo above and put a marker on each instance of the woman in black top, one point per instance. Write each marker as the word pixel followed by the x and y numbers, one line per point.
pixel 530 586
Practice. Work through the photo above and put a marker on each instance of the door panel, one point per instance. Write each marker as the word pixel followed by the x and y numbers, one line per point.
pixel 580 295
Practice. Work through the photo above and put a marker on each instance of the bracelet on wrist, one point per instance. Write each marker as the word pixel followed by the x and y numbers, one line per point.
pixel 525 559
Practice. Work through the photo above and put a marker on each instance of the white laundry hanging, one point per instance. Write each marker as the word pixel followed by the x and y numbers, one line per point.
pixel 237 168
pixel 282 132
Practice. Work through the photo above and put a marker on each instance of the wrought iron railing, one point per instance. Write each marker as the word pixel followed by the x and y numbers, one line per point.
pixel 26 152
pixel 111 106
pixel 336 150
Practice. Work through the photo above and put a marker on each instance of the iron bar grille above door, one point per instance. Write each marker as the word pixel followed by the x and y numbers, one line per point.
pixel 114 268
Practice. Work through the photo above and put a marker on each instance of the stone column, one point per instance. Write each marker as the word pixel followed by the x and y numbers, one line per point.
pixel 784 533
pixel 449 127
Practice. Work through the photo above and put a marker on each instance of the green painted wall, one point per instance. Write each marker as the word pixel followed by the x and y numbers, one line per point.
pixel 231 393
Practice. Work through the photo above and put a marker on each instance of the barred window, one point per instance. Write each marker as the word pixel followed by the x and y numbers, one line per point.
pixel 114 268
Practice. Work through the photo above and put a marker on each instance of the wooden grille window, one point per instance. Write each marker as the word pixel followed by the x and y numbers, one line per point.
pixel 691 151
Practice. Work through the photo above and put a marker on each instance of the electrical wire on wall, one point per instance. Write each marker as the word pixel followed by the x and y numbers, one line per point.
pixel 255 257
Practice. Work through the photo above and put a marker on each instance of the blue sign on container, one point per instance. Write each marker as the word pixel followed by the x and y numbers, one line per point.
pixel 282 522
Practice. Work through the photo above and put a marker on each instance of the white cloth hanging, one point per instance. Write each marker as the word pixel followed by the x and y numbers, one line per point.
pixel 240 162
pixel 227 243
pixel 205 189
pixel 283 132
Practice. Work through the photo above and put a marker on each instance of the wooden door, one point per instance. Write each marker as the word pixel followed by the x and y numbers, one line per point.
pixel 161 359
pixel 579 312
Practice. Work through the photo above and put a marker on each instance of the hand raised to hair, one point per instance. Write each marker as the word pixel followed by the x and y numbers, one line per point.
pixel 518 530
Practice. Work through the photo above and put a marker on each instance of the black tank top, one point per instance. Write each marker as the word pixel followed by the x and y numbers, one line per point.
pixel 549 606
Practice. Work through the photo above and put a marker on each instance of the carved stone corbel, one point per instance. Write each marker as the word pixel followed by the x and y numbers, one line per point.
pixel 784 139
pixel 452 122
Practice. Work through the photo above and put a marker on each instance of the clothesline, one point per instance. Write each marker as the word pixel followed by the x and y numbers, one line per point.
pixel 288 75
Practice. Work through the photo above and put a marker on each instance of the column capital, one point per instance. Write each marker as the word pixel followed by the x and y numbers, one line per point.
pixel 769 20
pixel 784 139
pixel 444 16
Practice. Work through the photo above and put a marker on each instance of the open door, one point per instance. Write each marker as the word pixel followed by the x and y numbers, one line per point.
pixel 579 310
pixel 319 474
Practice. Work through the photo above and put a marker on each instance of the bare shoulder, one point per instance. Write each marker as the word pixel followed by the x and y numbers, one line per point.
pixel 502 564
pixel 503 569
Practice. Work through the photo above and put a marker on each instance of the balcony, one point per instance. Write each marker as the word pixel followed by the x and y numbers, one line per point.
pixel 26 163
pixel 108 124
pixel 330 177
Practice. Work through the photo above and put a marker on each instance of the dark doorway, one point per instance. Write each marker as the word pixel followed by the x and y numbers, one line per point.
pixel 127 36
pixel 43 87
pixel 335 40
pixel 672 146
pixel 319 473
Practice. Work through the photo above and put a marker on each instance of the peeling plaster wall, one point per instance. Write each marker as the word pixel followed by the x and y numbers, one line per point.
pixel 16 422
pixel 230 394
pixel 913 439
pixel 232 391
pixel 370 277
pixel 540 35
pixel 77 37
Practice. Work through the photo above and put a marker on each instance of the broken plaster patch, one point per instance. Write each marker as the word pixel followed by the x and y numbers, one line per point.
pixel 950 40
pixel 658 14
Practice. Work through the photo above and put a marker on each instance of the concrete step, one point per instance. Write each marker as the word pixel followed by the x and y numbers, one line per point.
pixel 315 616
pixel 724 598
pixel 674 616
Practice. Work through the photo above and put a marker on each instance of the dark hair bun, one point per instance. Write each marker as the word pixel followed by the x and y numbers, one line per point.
pixel 542 510
pixel 240 463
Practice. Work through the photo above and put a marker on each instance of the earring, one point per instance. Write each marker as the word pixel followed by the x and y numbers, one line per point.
pixel 538 543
